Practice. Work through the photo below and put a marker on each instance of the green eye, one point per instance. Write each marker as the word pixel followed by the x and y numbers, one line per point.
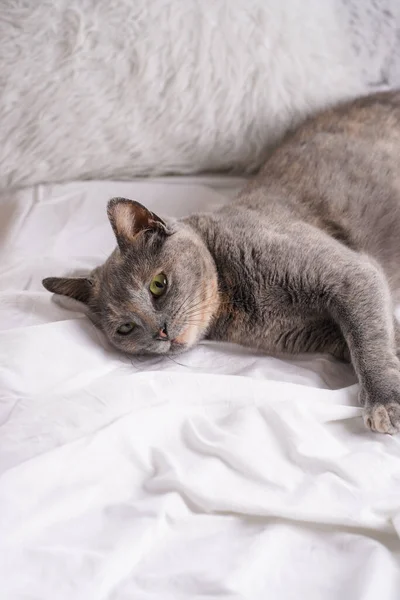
pixel 126 328
pixel 158 285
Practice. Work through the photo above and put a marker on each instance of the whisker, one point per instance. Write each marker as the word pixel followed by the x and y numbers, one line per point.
pixel 202 301
pixel 190 297
pixel 131 360
pixel 198 306
pixel 176 362
pixel 183 303
pixel 176 312
pixel 198 310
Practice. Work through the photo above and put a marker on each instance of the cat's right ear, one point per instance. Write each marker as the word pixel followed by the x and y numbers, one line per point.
pixel 129 218
pixel 78 288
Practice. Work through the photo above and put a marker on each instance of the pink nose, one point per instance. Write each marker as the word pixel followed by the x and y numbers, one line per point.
pixel 163 333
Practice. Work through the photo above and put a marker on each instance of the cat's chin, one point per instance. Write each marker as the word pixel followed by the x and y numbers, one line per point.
pixel 167 349
pixel 176 348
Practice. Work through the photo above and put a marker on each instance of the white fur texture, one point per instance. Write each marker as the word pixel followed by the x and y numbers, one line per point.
pixel 120 88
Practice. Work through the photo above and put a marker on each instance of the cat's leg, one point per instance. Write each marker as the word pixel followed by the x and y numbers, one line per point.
pixel 355 293
pixel 361 305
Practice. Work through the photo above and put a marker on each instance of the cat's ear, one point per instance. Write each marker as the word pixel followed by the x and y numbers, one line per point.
pixel 128 218
pixel 78 288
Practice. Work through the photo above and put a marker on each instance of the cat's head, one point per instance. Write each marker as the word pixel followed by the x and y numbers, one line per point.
pixel 157 292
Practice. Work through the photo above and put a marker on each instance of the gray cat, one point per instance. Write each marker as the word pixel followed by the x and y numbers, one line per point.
pixel 305 260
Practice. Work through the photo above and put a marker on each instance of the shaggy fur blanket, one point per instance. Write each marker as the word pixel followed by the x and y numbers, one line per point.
pixel 121 88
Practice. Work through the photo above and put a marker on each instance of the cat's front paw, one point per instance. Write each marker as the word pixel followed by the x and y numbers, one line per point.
pixel 383 418
pixel 381 402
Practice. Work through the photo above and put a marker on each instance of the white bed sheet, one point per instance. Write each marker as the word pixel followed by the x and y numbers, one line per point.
pixel 222 474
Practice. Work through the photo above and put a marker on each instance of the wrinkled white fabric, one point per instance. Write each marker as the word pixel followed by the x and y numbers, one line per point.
pixel 219 474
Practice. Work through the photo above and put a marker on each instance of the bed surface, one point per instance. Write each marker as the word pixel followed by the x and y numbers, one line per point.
pixel 219 474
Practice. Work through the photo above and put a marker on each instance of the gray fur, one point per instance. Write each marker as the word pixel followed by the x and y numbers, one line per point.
pixel 306 259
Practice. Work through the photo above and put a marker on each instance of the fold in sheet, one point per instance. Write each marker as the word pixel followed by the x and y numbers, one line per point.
pixel 218 474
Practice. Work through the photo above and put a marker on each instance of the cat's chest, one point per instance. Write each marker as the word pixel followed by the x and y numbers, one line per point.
pixel 259 298
pixel 261 290
pixel 256 308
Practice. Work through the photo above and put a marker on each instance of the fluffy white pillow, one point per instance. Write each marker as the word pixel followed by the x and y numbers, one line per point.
pixel 121 88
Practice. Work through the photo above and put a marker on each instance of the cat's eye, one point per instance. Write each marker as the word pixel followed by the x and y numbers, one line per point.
pixel 158 285
pixel 126 328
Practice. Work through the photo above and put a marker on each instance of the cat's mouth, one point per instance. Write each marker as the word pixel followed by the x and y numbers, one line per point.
pixel 183 341
pixel 170 346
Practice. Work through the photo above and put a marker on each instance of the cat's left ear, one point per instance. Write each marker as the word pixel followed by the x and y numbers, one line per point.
pixel 128 218
pixel 78 288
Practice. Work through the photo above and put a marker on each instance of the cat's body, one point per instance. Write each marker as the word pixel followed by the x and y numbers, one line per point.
pixel 306 259
pixel 335 182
